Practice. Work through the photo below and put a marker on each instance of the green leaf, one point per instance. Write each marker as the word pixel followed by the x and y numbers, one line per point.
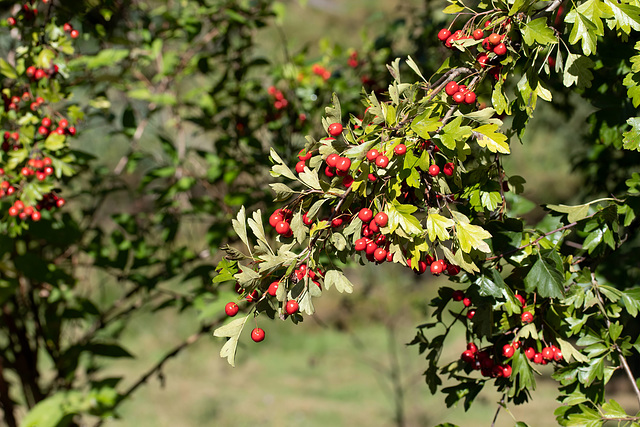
pixel 310 178
pixel 437 225
pixel 231 330
pixel 469 235
pixel 282 191
pixel 631 139
pixel 56 410
pixel 631 299
pixel 54 141
pixel 577 70
pixel 401 215
pixel 454 132
pixel 412 64
pixel 424 123
pixel 490 286
pixel 575 213
pixel 545 277
pixel 583 30
pixel 569 351
pixel 7 70
pixel 499 100
pixel 488 137
pixel 537 31
pixel 338 279
pixel 625 16
pixel 453 8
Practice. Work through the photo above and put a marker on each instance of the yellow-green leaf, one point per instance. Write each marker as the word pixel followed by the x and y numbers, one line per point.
pixel 487 137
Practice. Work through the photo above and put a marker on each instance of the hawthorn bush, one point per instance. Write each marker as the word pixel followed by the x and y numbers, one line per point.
pixel 130 132
pixel 417 178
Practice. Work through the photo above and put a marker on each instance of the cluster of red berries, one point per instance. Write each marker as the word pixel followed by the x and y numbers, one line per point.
pixel 280 101
pixel 34 73
pixel 302 157
pixel 485 362
pixel 49 201
pixel 353 60
pixel 373 243
pixel 14 102
pixel 6 189
pixel 11 141
pixel 337 165
pixel 69 29
pixel 460 93
pixel 41 168
pixel 321 71
pixel 280 219
pixel 436 266
pixel 62 128
pixel 24 212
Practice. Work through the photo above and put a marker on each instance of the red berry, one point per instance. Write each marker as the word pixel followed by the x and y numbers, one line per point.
pixel 371 248
pixel 257 335
pixel 527 317
pixel 494 38
pixel 64 123
pixel 478 34
pixel 466 302
pixel 371 177
pixel 506 371
pixel 343 164
pixel 469 98
pixel 332 160
pixel 328 172
pixel 472 347
pixel 521 299
pixel 471 314
pixel 443 34
pixel 74 34
pixel 448 169
pixel 60 203
pixel 335 129
pixel 39 74
pixel 361 244
pixel 273 288
pixel 382 161
pixel 557 355
pixel 400 149
pixel 67 27
pixel 283 227
pixel 458 97
pixel 380 254
pixel 381 219
pixel 508 350
pixel 72 131
pixel 275 218
pixel 434 170
pixel 306 220
pixel 436 268
pixel 372 154
pixel 231 309
pixel 11 21
pixel 347 181
pixel 537 358
pixel 365 214
pixel 336 222
pixel 500 49
pixel 468 356
pixel 291 307
pixel 13 211
pixel 451 88
pixel 43 130
pixel 300 166
pixel 31 71
pixel 482 59
pixel 547 353
pixel 457 295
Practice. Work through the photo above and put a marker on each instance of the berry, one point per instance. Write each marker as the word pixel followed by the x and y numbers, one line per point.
pixel 478 34
pixel 291 307
pixel 482 59
pixel 60 202
pixel 283 227
pixel 382 161
pixel 547 353
pixel 471 314
pixel 46 122
pixel 31 71
pixel 506 371
pixel 361 244
pixel 301 155
pixel 444 34
pixel 275 218
pixel 347 181
pixel 371 248
pixel 11 21
pixel 257 334
pixel 537 358
pixel 469 98
pixel 372 154
pixel 457 295
pixel 72 131
pixel 343 164
pixel 436 268
pixel 472 347
pixel 400 149
pixel 231 309
pixel 332 160
pixel 434 170
pixel 448 169
pixel 336 222
pixel 306 220
pixel 13 211
pixel 273 288
pixel 365 214
pixel 508 350
pixel 527 317
pixel 381 219
pixel 43 130
pixel 468 356
pixel 458 97
pixel 466 302
pixel 39 74
pixel 335 129
pixel 451 88
pixel 521 299
pixel 300 166
pixel 67 27
pixel 494 38
pixel 380 254
pixel 557 355
pixel 74 34
pixel 500 49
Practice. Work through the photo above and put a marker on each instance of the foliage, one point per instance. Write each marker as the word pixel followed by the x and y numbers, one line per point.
pixel 417 179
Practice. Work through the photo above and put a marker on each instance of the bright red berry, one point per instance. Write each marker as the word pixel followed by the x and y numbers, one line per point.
pixel 521 299
pixel 372 154
pixel 231 309
pixel 74 34
pixel 67 27
pixel 451 88
pixel 472 347
pixel 500 49
pixel 537 358
pixel 469 98
pixel 332 160
pixel 547 353
pixel 380 254
pixel 478 34
pixel 434 170
pixel 335 129
pixel 381 219
pixel 444 34
pixel 360 244
pixel 494 38
pixel 458 97
pixel 300 166
pixel 365 214
pixel 508 350
pixel 273 288
pixel 436 268
pixel 283 227
pixel 527 317
pixel 291 307
pixel 382 161
pixel 471 314
pixel 400 149
pixel 506 371
pixel 343 164
pixel 257 335
pixel 448 169
pixel 466 302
